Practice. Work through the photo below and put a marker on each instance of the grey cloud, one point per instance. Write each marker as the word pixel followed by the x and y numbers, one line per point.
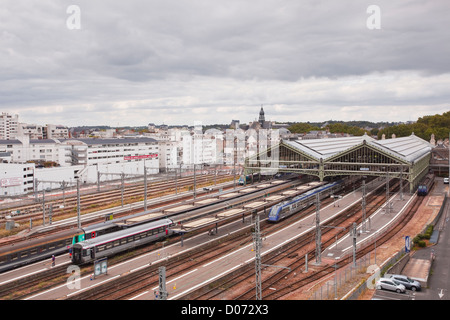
pixel 153 55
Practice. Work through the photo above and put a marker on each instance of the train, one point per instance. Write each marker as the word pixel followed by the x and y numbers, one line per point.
pixel 287 208
pixel 33 250
pixel 123 240
pixel 422 190
pixel 29 251
pixel 244 179
pixel 425 185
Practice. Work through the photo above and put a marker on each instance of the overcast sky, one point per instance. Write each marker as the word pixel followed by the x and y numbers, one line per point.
pixel 178 62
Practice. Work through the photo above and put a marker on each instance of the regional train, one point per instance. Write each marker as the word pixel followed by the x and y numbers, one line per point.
pixel 33 250
pixel 116 242
pixel 425 185
pixel 287 208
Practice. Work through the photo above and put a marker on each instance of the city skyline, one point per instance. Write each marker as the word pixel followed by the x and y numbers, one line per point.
pixel 181 62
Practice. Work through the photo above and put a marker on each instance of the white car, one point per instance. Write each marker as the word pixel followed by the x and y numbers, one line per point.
pixel 445 180
pixel 390 284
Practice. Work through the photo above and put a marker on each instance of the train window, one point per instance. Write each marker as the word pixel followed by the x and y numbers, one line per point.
pixel 116 243
pixel 109 245
pixel 123 241
pixel 130 239
pixel 101 248
pixel 33 251
pixel 14 256
pixel 3 259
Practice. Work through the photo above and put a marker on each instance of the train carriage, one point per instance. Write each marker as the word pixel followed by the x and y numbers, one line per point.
pixel 111 244
pixel 290 207
pixel 29 251
pixel 33 250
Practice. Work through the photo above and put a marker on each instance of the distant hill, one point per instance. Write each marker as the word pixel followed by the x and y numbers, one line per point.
pixel 438 124
pixel 424 127
pixel 357 128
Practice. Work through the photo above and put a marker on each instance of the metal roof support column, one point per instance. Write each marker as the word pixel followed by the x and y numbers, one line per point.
pixel 321 170
pixel 412 183
pixel 401 182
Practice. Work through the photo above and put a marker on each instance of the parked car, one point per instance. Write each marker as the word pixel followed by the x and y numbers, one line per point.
pixel 445 180
pixel 390 284
pixel 409 283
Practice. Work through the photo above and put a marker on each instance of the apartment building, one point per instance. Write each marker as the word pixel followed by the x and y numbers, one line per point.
pixel 52 131
pixel 9 124
pixel 116 150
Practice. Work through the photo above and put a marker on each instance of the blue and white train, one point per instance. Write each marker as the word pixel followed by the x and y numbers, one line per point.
pixel 287 208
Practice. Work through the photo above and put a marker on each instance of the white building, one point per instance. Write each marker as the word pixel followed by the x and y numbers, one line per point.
pixel 8 125
pixel 52 131
pixel 16 178
pixel 105 151
pixel 26 149
pixel 34 131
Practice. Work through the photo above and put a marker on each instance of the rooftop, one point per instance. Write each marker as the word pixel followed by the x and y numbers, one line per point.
pixel 408 148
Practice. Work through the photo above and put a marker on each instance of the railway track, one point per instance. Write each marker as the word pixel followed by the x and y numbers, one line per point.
pixel 100 218
pixel 98 199
pixel 127 287
pixel 132 285
pixel 290 256
pixel 214 252
pixel 326 270
pixel 29 282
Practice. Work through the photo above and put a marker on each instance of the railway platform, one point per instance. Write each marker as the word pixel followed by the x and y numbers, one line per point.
pixel 375 225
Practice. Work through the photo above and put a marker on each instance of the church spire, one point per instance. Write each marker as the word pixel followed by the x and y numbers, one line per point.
pixel 261 117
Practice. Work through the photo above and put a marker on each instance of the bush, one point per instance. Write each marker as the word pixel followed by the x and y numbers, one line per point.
pixel 428 232
pixel 422 244
pixel 417 238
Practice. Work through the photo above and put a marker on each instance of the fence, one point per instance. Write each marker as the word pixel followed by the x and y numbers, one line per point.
pixel 343 280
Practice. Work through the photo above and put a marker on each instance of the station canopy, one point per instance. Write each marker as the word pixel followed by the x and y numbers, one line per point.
pixel 406 157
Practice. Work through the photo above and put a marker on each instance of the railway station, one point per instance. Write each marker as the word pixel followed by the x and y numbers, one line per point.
pixel 407 158
pixel 316 165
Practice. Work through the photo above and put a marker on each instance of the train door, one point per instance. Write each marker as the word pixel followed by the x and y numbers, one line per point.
pixel 76 255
